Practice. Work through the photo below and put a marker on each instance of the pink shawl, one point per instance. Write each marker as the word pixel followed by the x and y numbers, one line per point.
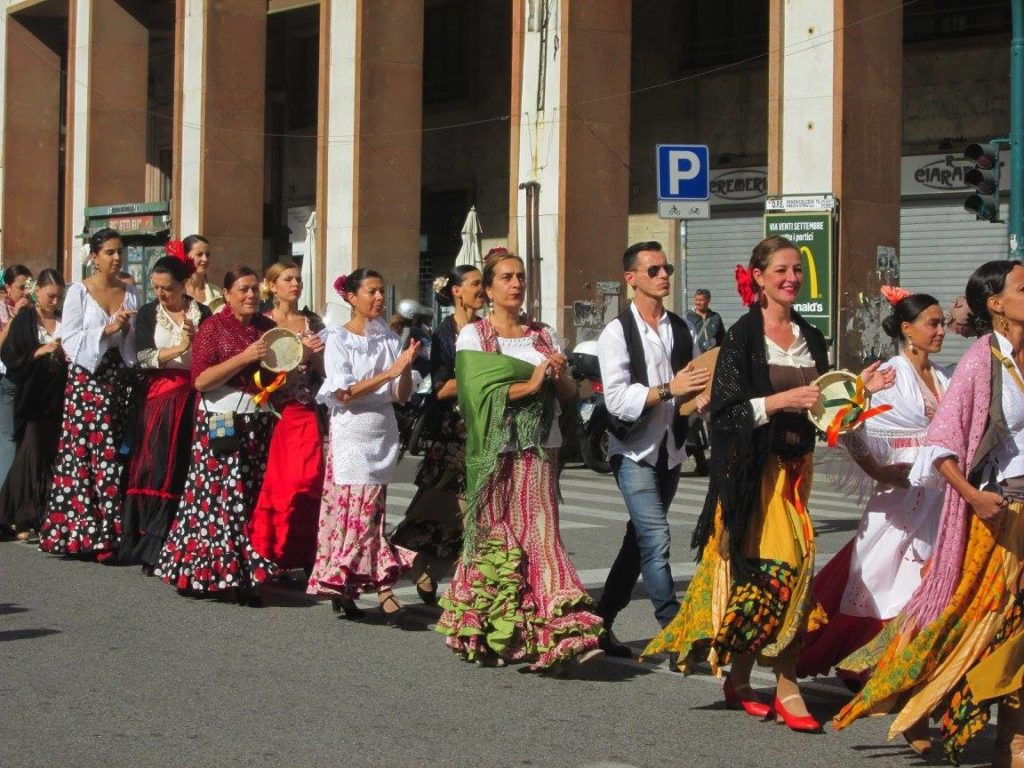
pixel 958 426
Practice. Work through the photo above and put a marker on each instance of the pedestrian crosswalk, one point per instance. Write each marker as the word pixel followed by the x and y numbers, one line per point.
pixel 590 500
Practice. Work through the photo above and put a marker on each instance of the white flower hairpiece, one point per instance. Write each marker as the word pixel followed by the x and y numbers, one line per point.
pixel 440 283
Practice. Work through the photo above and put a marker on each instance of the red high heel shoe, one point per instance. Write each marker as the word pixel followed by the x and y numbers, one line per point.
pixel 802 723
pixel 753 707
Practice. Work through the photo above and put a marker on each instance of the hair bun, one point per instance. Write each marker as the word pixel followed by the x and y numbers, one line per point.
pixel 891 328
pixel 443 290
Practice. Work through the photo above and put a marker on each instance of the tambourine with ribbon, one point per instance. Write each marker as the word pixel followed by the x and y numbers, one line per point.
pixel 265 391
pixel 844 405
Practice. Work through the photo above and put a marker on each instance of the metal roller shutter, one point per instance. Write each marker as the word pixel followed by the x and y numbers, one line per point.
pixel 713 249
pixel 940 246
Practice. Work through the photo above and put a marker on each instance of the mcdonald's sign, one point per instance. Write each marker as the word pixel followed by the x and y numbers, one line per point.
pixel 812 233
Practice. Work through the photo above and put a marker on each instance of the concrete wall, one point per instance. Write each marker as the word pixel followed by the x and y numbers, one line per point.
pixel 958 90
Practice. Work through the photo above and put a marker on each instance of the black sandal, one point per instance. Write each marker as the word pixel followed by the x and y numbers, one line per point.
pixel 391 618
pixel 428 596
pixel 348 605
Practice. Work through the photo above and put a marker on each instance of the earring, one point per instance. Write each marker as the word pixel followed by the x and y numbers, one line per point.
pixel 1004 324
pixel 910 343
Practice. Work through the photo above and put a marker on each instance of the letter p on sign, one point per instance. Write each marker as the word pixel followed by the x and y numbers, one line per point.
pixel 683 172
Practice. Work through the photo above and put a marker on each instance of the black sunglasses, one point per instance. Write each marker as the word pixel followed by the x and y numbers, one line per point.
pixel 653 271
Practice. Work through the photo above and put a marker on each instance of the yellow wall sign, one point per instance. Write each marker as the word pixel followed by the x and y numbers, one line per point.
pixel 812 233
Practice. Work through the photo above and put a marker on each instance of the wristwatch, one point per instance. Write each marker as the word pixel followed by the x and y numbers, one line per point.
pixel 664 393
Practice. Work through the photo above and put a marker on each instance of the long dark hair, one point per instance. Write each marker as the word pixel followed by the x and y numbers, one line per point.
pixel 50 277
pixel 169 265
pixel 359 276
pixel 455 277
pixel 101 236
pixel 15 271
pixel 907 310
pixel 191 240
pixel 986 281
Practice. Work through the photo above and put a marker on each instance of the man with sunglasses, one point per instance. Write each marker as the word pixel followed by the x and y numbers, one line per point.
pixel 645 356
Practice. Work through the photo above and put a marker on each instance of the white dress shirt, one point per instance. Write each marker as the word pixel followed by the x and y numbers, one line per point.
pixel 625 398
pixel 83 321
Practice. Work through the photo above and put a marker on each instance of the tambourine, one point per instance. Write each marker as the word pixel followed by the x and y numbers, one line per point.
pixel 284 350
pixel 843 405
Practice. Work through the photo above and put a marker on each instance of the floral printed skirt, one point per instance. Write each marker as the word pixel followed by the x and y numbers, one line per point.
pixel 766 611
pixel 84 506
pixel 967 659
pixel 432 525
pixel 352 554
pixel 208 548
pixel 519 596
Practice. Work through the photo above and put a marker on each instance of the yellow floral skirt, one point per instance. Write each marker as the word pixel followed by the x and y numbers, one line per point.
pixel 970 657
pixel 766 610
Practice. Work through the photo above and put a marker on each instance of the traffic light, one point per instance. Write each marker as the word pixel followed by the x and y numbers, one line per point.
pixel 984 177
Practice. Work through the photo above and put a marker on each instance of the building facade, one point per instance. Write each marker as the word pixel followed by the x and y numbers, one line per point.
pixel 360 132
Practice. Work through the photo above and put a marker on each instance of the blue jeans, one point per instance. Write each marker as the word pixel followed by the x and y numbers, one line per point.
pixel 648 492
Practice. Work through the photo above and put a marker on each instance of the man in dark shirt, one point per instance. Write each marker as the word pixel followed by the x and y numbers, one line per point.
pixel 708 328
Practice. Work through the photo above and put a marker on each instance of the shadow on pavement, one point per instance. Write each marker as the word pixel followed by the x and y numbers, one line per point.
pixel 9 608
pixel 26 634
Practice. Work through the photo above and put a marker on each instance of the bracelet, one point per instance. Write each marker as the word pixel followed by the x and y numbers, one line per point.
pixel 664 393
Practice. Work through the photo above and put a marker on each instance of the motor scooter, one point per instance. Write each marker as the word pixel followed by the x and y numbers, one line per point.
pixel 593 414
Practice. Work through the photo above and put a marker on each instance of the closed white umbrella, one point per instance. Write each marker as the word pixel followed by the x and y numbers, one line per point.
pixel 469 253
pixel 309 265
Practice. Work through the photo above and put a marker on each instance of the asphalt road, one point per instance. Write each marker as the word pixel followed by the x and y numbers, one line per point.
pixel 104 667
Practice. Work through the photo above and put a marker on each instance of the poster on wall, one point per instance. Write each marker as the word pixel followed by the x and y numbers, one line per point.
pixel 812 233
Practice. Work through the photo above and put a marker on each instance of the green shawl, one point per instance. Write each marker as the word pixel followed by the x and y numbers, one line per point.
pixel 492 422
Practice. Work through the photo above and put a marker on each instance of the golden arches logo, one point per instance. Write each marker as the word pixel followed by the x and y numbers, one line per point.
pixel 812 271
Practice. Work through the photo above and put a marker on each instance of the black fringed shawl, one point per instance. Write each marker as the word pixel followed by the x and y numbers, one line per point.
pixel 738 450
pixel 40 381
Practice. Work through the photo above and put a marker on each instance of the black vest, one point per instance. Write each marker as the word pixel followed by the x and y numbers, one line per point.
pixel 682 353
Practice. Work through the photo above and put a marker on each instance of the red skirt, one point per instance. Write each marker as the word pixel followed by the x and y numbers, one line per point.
pixel 844 634
pixel 283 527
pixel 159 463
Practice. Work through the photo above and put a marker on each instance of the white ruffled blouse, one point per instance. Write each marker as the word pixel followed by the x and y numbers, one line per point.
pixel 168 334
pixel 364 432
pixel 82 324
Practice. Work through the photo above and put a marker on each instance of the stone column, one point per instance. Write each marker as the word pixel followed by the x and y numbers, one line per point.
pixel 107 104
pixel 371 217
pixel 835 122
pixel 31 141
pixel 118 105
pixel 570 105
pixel 223 93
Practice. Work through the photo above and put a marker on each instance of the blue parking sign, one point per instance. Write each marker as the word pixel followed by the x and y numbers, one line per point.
pixel 683 172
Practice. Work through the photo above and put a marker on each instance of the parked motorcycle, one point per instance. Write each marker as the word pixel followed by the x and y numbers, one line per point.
pixel 412 417
pixel 593 414
pixel 412 321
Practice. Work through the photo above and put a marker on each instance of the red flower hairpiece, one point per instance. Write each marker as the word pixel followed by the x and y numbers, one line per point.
pixel 175 249
pixel 496 251
pixel 339 285
pixel 894 294
pixel 745 286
